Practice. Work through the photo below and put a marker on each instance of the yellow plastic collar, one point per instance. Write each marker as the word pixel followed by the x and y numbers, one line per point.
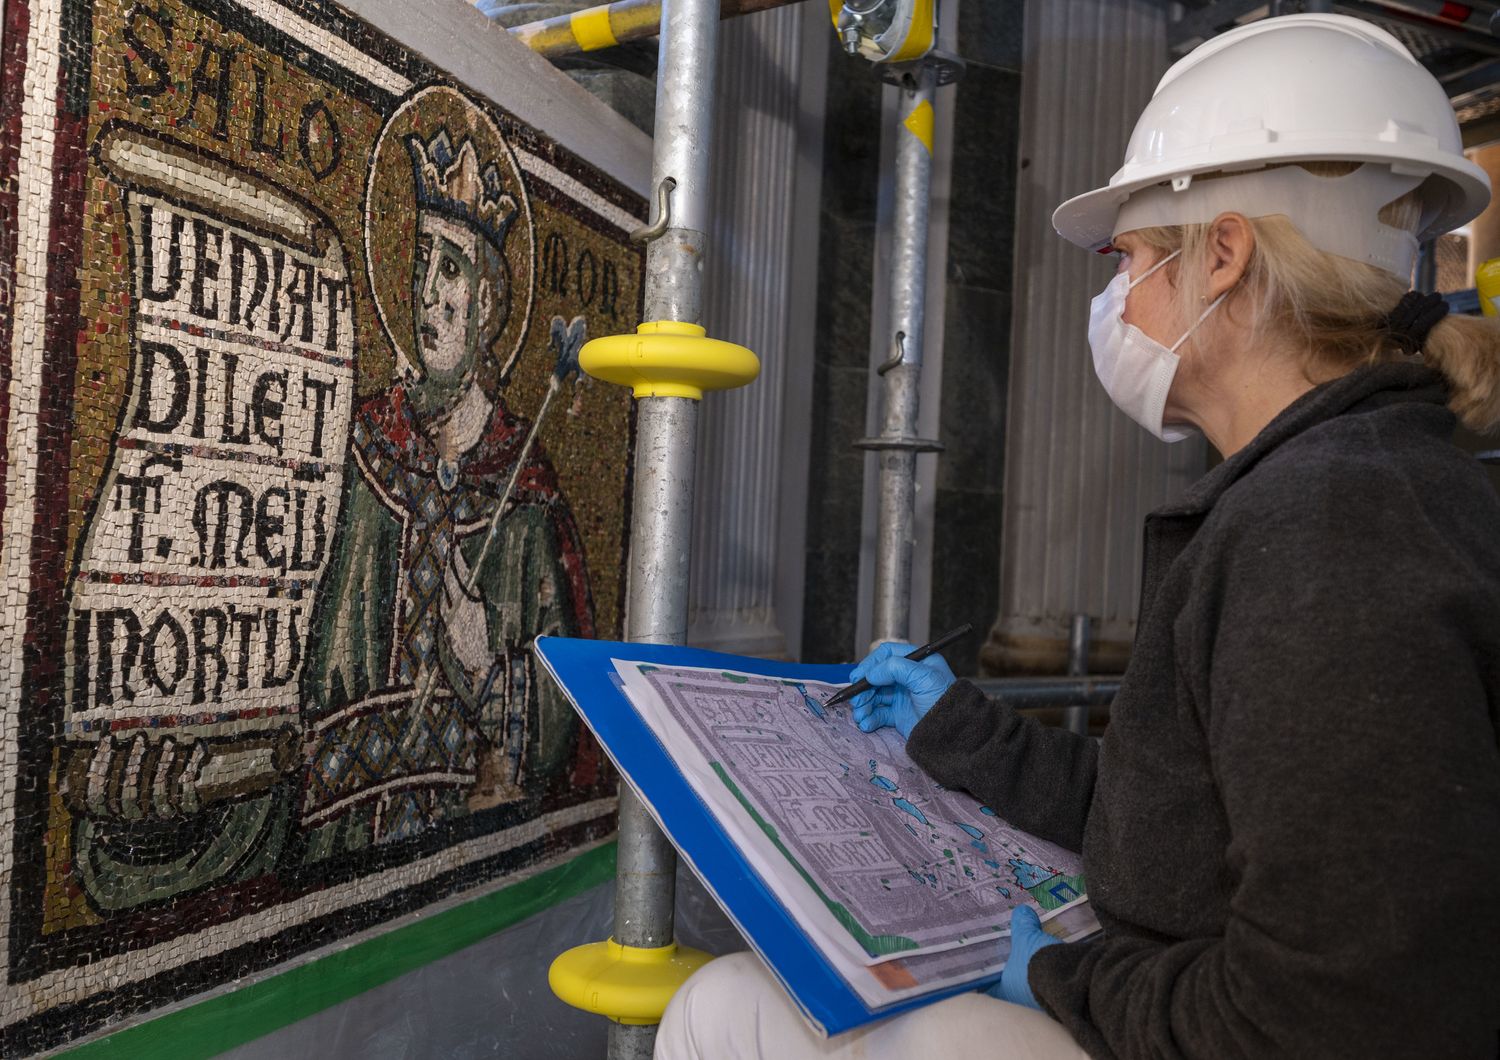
pixel 629 984
pixel 667 358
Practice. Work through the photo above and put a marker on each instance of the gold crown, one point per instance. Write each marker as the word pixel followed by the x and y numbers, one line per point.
pixel 452 181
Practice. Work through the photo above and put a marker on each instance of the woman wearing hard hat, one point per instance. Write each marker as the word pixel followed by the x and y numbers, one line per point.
pixel 1291 832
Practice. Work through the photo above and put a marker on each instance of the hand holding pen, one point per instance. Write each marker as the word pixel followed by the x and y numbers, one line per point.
pixel 897 684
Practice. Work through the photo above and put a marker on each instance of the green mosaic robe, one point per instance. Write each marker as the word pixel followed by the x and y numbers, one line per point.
pixel 382 763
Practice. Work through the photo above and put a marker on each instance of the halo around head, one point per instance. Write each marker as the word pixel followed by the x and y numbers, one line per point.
pixel 455 132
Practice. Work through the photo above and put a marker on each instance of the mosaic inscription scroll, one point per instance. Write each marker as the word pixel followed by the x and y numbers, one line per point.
pixel 187 642
pixel 286 499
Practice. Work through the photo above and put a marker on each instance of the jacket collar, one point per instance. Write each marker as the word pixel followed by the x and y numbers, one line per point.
pixel 1363 389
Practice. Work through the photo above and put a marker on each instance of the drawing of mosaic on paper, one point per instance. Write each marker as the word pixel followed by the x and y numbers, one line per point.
pixel 867 852
pixel 280 306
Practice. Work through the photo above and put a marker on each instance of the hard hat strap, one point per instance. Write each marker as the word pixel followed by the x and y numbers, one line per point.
pixel 1337 214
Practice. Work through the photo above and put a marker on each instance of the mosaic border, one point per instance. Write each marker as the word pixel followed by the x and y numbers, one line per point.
pixel 35 414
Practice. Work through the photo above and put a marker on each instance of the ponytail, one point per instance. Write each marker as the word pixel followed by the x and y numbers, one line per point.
pixel 1466 350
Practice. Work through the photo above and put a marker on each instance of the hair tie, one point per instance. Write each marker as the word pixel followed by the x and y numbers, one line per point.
pixel 1413 319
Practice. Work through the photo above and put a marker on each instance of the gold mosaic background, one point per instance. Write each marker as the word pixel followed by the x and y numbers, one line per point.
pixel 586 438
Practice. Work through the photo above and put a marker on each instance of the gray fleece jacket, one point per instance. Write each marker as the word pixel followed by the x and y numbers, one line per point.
pixel 1291 832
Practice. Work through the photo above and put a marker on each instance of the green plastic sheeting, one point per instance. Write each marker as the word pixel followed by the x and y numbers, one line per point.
pixel 223 1022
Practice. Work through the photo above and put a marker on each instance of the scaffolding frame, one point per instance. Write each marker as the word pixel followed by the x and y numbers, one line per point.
pixel 631 977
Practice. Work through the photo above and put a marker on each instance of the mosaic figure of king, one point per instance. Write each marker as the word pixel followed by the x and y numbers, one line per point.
pixel 421 692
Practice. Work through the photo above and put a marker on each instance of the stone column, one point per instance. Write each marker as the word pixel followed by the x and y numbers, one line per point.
pixel 1079 477
pixel 747 557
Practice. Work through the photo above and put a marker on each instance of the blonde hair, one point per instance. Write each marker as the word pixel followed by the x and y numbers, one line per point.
pixel 1332 309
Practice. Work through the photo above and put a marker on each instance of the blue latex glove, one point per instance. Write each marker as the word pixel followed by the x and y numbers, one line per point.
pixel 904 690
pixel 1026 937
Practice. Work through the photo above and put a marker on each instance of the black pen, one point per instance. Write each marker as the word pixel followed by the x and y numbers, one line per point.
pixel 850 691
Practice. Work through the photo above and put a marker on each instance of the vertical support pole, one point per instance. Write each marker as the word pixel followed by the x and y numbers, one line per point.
pixel 897 443
pixel 668 363
pixel 666 439
pixel 1077 718
pixel 1426 278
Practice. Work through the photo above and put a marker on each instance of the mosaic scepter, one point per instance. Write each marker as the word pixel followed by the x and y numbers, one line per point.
pixel 566 340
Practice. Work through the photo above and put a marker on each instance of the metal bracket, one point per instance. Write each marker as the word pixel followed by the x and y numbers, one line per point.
pixel 663 221
pixel 948 67
pixel 898 354
pixel 908 442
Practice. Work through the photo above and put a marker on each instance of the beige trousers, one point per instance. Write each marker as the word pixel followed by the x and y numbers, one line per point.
pixel 733 1009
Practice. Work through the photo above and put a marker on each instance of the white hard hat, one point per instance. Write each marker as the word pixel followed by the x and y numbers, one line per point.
pixel 1297 88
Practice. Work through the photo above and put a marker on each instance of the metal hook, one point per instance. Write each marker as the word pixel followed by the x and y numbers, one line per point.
pixel 663 213
pixel 898 345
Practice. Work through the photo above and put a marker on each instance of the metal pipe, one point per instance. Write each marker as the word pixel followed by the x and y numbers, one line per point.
pixel 656 613
pixel 1475 38
pixel 910 217
pixel 1475 13
pixel 656 607
pixel 1427 266
pixel 1076 717
pixel 897 443
pixel 607 25
pixel 1026 693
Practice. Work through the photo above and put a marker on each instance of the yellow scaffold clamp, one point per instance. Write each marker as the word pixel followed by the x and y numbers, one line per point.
pixel 629 984
pixel 900 38
pixel 667 358
pixel 885 31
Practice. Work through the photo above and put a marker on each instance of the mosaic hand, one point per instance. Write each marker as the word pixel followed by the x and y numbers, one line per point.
pixel 566 340
pixel 464 618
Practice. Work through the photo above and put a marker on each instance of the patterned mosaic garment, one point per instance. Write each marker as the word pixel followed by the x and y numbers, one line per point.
pixel 374 747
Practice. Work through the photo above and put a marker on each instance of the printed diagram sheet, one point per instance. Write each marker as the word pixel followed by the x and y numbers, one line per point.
pixel 861 846
pixel 910 976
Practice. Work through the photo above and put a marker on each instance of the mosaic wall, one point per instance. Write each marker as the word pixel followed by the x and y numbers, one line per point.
pixel 294 470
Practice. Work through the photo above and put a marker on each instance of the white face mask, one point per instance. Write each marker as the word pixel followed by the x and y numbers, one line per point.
pixel 1135 369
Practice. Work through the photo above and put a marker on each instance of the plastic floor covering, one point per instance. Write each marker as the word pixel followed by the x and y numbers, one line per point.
pixel 490 999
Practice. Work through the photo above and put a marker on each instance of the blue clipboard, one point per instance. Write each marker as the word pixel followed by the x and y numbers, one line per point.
pixel 585 671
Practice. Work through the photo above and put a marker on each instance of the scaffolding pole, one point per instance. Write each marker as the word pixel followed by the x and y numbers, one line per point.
pixel 1037 693
pixel 669 362
pixel 656 608
pixel 900 377
pixel 1076 717
pixel 610 25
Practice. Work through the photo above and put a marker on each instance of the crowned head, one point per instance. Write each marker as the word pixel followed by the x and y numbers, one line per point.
pixel 461 279
pixel 453 181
